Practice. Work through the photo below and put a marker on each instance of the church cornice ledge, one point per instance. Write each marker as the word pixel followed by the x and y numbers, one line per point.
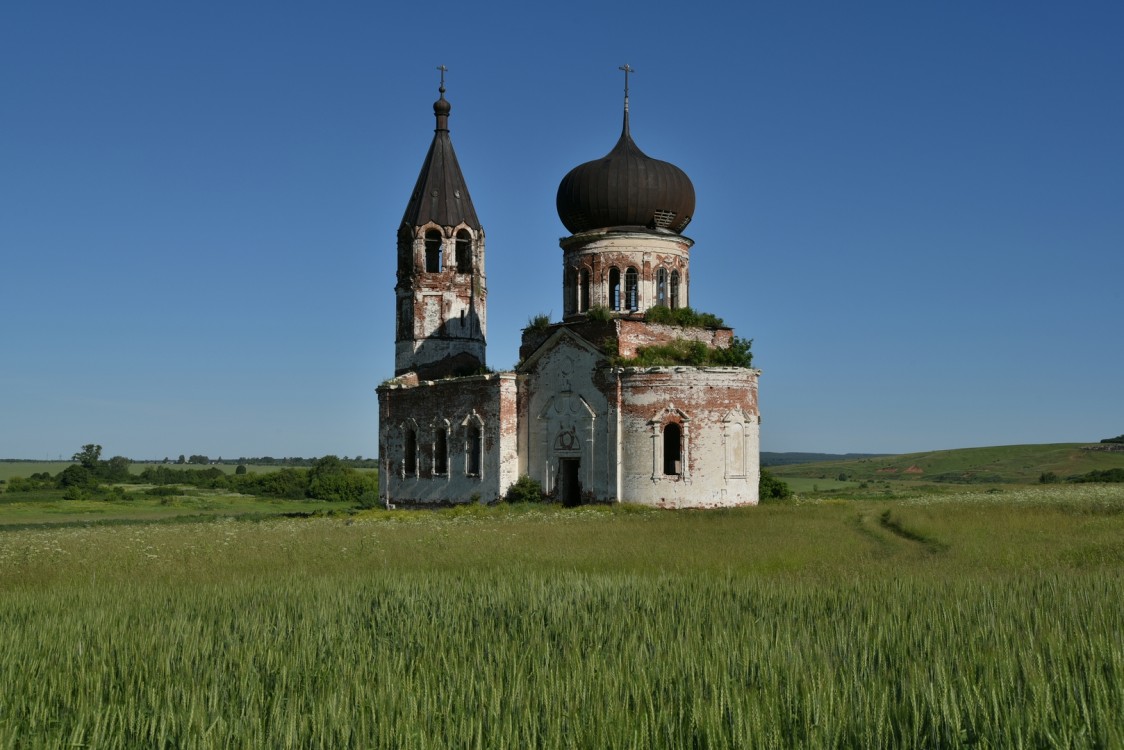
pixel 411 380
pixel 665 369
pixel 640 233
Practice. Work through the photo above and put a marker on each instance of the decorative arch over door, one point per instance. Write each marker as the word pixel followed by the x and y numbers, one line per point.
pixel 567 436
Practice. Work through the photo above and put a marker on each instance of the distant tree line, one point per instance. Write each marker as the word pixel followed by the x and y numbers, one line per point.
pixel 1117 439
pixel 1099 475
pixel 198 459
pixel 329 478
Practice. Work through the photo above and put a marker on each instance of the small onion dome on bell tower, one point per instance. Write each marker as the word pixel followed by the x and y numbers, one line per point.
pixel 626 188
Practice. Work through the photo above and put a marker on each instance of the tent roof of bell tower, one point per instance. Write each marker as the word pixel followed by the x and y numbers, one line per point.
pixel 441 194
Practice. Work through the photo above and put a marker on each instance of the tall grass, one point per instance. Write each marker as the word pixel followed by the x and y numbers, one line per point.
pixel 800 626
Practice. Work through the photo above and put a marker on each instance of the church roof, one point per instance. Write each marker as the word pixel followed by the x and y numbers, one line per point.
pixel 441 194
pixel 626 188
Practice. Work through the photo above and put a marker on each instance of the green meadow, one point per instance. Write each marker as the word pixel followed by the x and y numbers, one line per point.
pixel 1021 464
pixel 135 505
pixel 987 618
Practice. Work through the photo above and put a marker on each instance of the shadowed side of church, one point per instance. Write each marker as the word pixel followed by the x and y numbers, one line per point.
pixel 578 414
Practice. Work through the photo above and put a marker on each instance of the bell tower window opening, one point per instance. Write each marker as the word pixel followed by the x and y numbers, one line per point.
pixel 672 449
pixel 464 252
pixel 473 447
pixel 583 290
pixel 433 251
pixel 614 288
pixel 674 297
pixel 571 291
pixel 441 452
pixel 631 289
pixel 410 464
pixel 661 287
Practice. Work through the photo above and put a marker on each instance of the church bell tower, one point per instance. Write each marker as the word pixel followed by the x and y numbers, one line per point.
pixel 441 295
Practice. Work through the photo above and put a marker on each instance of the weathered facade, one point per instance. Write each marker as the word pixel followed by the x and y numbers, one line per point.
pixel 576 414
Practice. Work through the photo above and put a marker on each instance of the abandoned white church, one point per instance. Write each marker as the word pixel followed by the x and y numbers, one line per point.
pixel 579 413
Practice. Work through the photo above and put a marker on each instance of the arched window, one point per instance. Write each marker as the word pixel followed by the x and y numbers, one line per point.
pixel 583 291
pixel 410 465
pixel 674 297
pixel 614 289
pixel 661 287
pixel 672 449
pixel 464 252
pixel 631 289
pixel 441 452
pixel 474 445
pixel 432 251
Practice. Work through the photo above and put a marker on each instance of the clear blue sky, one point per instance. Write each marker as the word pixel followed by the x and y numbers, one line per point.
pixel 916 210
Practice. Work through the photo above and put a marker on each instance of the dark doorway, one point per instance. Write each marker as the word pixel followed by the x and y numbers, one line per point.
pixel 570 485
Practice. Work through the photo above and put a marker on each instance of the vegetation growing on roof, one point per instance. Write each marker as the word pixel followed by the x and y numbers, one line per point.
pixel 684 317
pixel 600 313
pixel 538 322
pixel 691 354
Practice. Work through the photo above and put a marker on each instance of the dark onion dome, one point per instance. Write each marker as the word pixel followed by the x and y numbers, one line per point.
pixel 441 194
pixel 626 188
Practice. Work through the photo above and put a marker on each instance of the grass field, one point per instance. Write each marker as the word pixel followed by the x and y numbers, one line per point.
pixel 976 619
pixel 805 485
pixel 48 507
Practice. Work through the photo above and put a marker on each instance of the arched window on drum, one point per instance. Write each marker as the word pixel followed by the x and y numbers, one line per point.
pixel 632 289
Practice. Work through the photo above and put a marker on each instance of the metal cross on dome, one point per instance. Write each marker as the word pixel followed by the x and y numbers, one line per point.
pixel 627 69
pixel 442 68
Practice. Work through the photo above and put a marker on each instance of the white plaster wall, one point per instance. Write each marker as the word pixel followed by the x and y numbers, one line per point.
pixel 706 401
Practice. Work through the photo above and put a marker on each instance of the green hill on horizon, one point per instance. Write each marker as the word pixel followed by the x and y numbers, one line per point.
pixel 1020 464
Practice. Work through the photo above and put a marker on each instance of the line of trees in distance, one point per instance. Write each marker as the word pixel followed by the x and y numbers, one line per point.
pixel 358 462
pixel 329 478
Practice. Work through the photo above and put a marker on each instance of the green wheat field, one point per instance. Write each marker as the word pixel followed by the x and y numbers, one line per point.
pixel 963 619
